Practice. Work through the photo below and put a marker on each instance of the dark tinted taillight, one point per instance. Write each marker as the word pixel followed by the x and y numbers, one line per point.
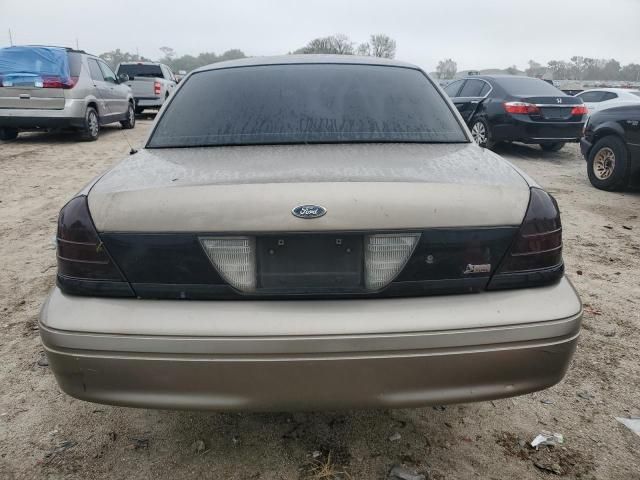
pixel 535 258
pixel 81 254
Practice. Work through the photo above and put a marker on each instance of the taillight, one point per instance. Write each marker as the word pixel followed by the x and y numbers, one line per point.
pixel 535 257
pixel 234 258
pixel 59 82
pixel 385 255
pixel 521 108
pixel 81 254
pixel 157 88
pixel 579 110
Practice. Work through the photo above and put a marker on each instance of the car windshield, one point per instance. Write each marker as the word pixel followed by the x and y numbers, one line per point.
pixel 528 87
pixel 306 103
pixel 140 70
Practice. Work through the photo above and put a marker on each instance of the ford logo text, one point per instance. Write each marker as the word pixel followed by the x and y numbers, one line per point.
pixel 309 211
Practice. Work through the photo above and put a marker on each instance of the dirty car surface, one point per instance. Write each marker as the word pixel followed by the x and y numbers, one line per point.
pixel 306 233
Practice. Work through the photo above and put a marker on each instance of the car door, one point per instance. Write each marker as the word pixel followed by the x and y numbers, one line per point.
pixel 117 99
pixel 470 96
pixel 169 77
pixel 101 89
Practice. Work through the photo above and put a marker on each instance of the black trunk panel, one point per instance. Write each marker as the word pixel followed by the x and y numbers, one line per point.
pixel 309 265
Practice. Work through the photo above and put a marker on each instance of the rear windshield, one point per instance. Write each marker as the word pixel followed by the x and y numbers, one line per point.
pixel 308 103
pixel 528 87
pixel 30 65
pixel 136 70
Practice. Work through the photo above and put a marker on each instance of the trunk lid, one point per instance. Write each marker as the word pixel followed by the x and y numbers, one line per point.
pixel 362 187
pixel 555 109
pixel 32 97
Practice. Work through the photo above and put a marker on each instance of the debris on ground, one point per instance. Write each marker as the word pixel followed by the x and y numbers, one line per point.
pixel 547 438
pixel 549 467
pixel 626 227
pixel 198 446
pixel 43 361
pixel 395 437
pixel 139 443
pixel 316 454
pixel 632 423
pixel 57 451
pixel 545 401
pixel 585 395
pixel 592 310
pixel 398 472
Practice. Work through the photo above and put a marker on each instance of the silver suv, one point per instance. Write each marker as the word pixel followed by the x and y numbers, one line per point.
pixel 53 87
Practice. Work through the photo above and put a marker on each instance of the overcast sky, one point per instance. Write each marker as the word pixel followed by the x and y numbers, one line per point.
pixel 475 33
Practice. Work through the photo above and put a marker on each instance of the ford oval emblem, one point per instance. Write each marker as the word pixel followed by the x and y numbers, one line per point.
pixel 309 211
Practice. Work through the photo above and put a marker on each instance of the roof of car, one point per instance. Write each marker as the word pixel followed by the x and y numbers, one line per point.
pixel 614 90
pixel 306 59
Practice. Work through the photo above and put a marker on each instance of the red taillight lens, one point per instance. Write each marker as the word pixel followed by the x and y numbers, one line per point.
pixel 579 110
pixel 535 257
pixel 59 82
pixel 521 108
pixel 80 251
pixel 157 88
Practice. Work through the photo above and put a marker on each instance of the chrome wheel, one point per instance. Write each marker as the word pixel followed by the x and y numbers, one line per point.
pixel 94 126
pixel 479 133
pixel 604 163
pixel 132 116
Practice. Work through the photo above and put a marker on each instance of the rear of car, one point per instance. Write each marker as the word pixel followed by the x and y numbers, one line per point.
pixel 533 111
pixel 151 83
pixel 601 99
pixel 304 233
pixel 38 87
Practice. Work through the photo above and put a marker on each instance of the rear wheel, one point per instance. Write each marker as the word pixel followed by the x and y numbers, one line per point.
pixel 130 121
pixel 91 128
pixel 552 147
pixel 608 164
pixel 481 133
pixel 8 133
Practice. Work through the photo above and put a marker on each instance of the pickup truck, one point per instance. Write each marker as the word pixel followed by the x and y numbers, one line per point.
pixel 151 83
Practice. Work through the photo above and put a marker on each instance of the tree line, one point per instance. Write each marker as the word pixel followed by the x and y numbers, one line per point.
pixel 378 45
pixel 577 68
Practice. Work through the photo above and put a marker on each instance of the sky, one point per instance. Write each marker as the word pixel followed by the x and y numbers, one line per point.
pixel 475 33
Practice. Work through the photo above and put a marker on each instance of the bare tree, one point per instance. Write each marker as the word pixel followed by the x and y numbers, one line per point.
pixel 169 53
pixel 333 44
pixel 446 69
pixel 364 49
pixel 382 45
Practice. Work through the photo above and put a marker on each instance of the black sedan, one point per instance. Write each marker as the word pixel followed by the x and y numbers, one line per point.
pixel 507 108
pixel 611 147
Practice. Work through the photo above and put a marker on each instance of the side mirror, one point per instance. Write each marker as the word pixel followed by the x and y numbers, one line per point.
pixel 123 78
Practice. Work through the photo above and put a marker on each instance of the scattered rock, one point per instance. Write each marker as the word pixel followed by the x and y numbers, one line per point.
pixel 545 401
pixel 579 272
pixel 549 467
pixel 43 361
pixel 316 454
pixel 198 446
pixel 400 473
pixel 395 437
pixel 585 395
pixel 113 436
pixel 626 227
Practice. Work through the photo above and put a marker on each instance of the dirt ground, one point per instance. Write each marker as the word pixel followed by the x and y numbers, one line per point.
pixel 46 434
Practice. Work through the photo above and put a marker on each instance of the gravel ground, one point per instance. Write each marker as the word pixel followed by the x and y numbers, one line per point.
pixel 46 434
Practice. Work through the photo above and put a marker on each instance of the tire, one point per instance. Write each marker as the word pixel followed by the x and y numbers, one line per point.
pixel 91 129
pixel 608 164
pixel 481 133
pixel 8 133
pixel 130 121
pixel 139 110
pixel 552 147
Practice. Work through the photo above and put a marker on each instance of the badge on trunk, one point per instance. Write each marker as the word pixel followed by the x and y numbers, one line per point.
pixel 308 211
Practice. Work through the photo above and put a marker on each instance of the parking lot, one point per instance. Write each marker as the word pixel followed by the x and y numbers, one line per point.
pixel 44 433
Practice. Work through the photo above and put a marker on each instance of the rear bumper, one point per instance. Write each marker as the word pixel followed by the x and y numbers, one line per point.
pixel 71 116
pixel 189 360
pixel 527 131
pixel 150 102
